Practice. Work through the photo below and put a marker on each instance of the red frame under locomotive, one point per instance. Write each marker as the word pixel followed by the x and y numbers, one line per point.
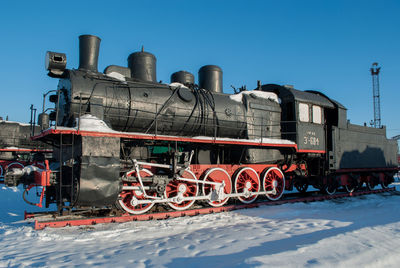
pixel 198 171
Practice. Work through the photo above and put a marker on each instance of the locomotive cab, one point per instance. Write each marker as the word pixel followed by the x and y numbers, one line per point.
pixel 303 117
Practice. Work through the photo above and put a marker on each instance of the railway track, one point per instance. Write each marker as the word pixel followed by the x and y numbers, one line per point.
pixel 42 220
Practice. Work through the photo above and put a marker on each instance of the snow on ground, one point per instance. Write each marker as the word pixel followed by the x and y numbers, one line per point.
pixel 361 231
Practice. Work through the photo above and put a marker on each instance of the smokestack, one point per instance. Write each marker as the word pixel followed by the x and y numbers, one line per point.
pixel 88 52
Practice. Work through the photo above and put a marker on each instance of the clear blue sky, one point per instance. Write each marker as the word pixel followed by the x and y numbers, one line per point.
pixel 319 45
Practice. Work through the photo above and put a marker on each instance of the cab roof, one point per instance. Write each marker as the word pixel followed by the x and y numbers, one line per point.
pixel 309 96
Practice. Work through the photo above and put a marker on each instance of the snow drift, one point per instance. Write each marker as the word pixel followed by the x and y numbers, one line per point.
pixel 361 231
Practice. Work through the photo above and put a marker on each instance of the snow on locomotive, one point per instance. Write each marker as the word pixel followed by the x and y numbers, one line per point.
pixel 121 138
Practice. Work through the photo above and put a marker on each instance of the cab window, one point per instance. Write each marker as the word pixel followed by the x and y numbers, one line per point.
pixel 304 112
pixel 316 114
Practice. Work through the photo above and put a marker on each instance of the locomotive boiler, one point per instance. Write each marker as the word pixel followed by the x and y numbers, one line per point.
pixel 131 100
pixel 123 139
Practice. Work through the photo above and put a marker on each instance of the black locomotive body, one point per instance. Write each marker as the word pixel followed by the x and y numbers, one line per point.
pixel 120 137
pixel 132 106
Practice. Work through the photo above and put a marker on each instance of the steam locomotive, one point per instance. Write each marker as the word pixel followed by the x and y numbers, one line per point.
pixel 122 139
pixel 17 150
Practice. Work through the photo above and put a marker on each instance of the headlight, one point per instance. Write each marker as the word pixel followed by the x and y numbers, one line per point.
pixel 55 63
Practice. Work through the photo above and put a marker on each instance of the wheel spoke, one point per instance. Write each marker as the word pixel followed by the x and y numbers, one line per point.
pixel 178 188
pixel 217 175
pixel 274 176
pixel 128 197
pixel 371 182
pixel 301 185
pixel 385 181
pixel 247 178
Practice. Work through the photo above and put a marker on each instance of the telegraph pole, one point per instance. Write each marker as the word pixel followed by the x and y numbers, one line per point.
pixel 376 96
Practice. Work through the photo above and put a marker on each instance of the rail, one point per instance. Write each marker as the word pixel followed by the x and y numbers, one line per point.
pixel 59 222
